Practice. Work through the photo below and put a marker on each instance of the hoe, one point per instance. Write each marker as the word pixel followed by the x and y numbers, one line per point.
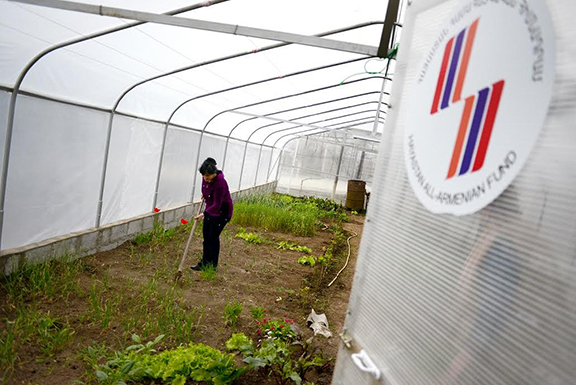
pixel 179 273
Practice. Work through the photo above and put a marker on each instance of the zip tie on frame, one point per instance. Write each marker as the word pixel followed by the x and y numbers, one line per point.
pixel 207 3
pixel 391 55
pixel 365 364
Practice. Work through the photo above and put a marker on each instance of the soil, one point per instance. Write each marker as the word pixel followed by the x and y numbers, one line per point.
pixel 254 275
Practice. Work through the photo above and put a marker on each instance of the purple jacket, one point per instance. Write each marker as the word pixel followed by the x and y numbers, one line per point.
pixel 217 197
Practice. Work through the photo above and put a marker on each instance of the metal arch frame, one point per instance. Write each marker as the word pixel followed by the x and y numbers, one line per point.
pixel 325 129
pixel 173 72
pixel 28 67
pixel 168 122
pixel 291 128
pixel 273 124
pixel 33 61
pixel 263 102
pixel 300 136
pixel 305 116
pixel 289 110
pixel 20 80
pixel 298 124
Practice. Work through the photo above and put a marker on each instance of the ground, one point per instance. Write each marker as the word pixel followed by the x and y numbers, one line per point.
pixel 253 275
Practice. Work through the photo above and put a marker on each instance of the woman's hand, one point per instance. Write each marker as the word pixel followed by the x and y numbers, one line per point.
pixel 199 217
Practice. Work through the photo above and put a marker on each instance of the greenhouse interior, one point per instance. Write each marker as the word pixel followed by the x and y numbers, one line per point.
pixel 371 262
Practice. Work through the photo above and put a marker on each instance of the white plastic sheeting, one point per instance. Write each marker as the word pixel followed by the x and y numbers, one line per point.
pixel 53 185
pixel 178 167
pixel 212 88
pixel 132 169
pixel 487 298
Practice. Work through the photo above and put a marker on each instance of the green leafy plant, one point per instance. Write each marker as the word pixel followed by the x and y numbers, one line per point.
pixel 249 237
pixel 92 356
pixel 284 361
pixel 306 298
pixel 195 362
pixel 232 313
pixel 333 257
pixel 283 245
pixel 257 313
pixel 240 342
pixel 308 260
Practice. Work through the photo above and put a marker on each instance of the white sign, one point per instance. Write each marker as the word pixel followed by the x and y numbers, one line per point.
pixel 479 102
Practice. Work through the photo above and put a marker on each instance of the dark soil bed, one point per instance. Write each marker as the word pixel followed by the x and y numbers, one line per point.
pixel 253 275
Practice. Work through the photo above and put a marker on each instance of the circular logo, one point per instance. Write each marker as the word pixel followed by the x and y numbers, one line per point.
pixel 478 103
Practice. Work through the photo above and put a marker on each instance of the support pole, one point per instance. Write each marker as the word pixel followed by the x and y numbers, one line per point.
pixel 243 163
pixel 293 166
pixel 375 127
pixel 337 173
pixel 361 164
pixel 279 164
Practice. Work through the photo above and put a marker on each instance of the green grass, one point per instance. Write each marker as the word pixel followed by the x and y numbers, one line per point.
pixel 275 214
pixel 53 335
pixel 29 326
pixel 283 213
pixel 159 236
pixel 9 345
pixel 208 273
pixel 52 279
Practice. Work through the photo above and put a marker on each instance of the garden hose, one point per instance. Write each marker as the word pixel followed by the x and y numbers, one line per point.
pixel 347 258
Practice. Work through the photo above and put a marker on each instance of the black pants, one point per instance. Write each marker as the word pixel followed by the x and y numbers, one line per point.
pixel 211 230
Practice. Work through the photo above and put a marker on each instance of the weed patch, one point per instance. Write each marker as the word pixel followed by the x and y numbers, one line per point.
pixel 232 313
pixel 208 273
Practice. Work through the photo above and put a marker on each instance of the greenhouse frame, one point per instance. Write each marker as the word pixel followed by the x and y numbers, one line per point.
pixel 458 116
pixel 332 99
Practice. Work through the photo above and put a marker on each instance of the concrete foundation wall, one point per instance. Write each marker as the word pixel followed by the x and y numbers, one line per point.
pixel 94 240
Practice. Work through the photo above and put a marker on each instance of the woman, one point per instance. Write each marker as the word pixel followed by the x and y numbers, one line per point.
pixel 218 211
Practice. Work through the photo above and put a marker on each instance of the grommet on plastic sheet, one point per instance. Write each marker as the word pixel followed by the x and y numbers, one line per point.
pixel 365 364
